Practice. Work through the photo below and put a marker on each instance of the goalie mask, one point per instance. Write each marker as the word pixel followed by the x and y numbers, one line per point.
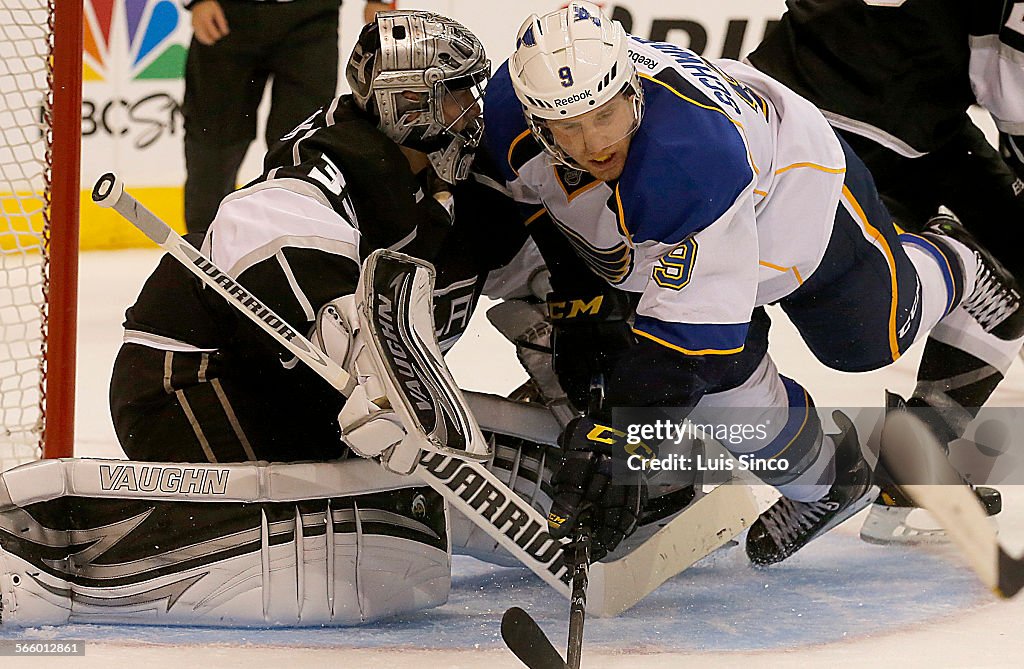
pixel 422 76
pixel 569 65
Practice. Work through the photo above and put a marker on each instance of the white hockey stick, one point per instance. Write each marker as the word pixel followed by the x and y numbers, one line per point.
pixel 469 486
pixel 911 453
pixel 706 526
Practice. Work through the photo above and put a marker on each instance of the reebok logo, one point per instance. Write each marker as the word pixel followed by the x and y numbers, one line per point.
pixel 577 97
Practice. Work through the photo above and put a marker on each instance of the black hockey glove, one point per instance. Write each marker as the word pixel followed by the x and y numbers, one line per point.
pixel 589 334
pixel 585 491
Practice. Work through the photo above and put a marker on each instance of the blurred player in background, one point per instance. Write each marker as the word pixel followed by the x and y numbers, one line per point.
pixel 237 46
pixel 896 80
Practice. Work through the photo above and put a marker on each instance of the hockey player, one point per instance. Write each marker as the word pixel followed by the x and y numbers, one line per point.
pixel 384 167
pixel 898 94
pixel 338 542
pixel 706 190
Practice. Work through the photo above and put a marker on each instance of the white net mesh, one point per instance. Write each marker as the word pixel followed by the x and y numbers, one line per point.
pixel 25 47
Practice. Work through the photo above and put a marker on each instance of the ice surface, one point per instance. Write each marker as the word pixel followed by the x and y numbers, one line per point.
pixel 840 602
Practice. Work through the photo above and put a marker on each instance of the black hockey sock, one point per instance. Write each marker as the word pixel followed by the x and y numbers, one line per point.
pixel 952 385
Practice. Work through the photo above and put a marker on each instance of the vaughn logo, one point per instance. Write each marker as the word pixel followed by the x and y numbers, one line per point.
pixel 401 360
pixel 165 479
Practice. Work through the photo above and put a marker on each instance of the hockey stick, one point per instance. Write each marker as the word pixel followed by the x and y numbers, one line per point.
pixel 581 557
pixel 528 639
pixel 109 192
pixel 911 453
pixel 470 487
pixel 578 598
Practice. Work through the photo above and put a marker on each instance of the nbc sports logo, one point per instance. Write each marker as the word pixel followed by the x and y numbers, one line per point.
pixel 133 35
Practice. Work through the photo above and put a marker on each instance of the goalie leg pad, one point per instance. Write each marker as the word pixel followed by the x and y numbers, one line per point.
pixel 237 557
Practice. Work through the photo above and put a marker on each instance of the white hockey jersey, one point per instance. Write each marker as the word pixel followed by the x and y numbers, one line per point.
pixel 726 201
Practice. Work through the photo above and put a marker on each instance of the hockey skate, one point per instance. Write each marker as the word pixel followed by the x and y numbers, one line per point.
pixel 995 303
pixel 894 519
pixel 787 526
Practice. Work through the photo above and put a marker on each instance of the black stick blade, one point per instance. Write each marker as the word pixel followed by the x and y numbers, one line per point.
pixel 527 641
pixel 1011 575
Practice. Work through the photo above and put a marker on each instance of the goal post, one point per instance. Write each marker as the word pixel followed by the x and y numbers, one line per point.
pixel 40 154
pixel 65 190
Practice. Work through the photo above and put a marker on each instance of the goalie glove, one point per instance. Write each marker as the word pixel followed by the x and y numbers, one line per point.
pixel 406 400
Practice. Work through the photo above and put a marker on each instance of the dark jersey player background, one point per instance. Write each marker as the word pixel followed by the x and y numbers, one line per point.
pixel 896 78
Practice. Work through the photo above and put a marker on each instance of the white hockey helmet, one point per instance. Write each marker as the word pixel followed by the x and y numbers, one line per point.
pixel 569 62
pixel 441 64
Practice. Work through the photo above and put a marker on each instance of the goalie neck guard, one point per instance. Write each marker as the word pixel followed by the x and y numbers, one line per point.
pixel 422 76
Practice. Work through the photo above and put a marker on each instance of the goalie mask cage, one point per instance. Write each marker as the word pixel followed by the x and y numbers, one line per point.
pixel 40 149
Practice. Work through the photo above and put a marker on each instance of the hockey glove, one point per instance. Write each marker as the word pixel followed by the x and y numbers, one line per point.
pixel 586 491
pixel 589 334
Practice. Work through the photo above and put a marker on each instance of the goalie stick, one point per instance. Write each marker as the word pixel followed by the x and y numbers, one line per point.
pixel 910 453
pixel 469 486
pixel 109 193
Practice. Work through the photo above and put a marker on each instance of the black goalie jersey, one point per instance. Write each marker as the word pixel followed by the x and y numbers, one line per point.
pixel 333 190
pixel 902 72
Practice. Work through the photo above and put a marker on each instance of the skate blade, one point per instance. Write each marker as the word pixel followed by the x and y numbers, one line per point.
pixel 892 526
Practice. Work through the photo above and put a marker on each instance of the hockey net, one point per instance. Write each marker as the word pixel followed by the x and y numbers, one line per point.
pixel 40 135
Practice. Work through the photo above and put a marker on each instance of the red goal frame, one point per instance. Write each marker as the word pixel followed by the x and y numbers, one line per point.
pixel 57 396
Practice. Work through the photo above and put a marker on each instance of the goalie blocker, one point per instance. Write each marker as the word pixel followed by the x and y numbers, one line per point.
pixel 406 401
